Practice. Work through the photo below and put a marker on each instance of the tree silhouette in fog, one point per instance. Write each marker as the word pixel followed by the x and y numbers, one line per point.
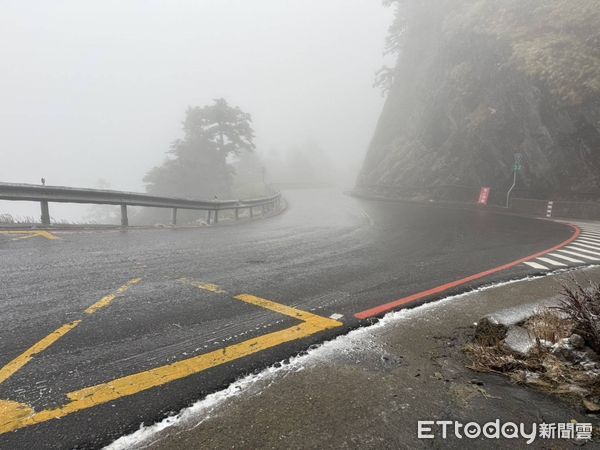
pixel 225 126
pixel 196 166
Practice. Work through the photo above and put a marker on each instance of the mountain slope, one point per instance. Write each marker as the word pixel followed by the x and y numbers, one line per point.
pixel 477 81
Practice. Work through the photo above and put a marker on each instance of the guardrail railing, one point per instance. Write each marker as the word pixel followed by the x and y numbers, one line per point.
pixel 62 194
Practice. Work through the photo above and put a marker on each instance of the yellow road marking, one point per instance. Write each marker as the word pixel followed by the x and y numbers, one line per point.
pixel 30 234
pixel 205 286
pixel 15 417
pixel 14 409
pixel 281 309
pixel 8 370
pixel 16 364
pixel 108 299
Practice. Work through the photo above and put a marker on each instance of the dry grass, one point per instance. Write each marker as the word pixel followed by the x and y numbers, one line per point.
pixel 496 359
pixel 10 219
pixel 578 312
pixel 489 334
pixel 548 325
pixel 582 306
pixel 540 369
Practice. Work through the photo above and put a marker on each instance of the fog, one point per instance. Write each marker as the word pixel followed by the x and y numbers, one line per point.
pixel 94 92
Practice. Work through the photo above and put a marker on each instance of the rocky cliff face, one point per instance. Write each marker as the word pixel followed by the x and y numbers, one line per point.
pixel 478 81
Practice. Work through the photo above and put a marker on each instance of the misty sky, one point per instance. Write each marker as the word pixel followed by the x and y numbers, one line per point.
pixel 97 89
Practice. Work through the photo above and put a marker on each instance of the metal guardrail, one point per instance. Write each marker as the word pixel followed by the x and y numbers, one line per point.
pixel 62 194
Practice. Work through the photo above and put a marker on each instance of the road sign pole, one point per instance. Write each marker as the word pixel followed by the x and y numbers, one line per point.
pixel 516 168
pixel 511 188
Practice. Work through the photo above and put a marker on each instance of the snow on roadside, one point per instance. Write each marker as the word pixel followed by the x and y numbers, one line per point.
pixel 206 408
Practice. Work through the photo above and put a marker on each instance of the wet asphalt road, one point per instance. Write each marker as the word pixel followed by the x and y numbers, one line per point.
pixel 327 254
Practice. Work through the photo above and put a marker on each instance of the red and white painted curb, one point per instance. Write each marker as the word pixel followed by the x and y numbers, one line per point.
pixel 530 260
pixel 585 249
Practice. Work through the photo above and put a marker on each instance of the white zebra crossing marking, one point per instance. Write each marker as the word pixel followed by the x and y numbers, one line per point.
pixel 589 240
pixel 591 233
pixel 535 265
pixel 566 258
pixel 552 262
pixel 583 250
pixel 587 244
pixel 577 248
pixel 590 257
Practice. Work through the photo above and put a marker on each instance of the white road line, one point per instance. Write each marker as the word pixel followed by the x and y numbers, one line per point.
pixel 584 245
pixel 589 236
pixel 552 262
pixel 579 255
pixel 336 316
pixel 535 265
pixel 566 258
pixel 584 250
pixel 593 233
pixel 588 241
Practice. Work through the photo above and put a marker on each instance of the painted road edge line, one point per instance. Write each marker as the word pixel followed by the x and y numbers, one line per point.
pixel 387 307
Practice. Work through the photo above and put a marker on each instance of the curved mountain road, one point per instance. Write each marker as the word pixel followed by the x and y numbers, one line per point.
pixel 109 329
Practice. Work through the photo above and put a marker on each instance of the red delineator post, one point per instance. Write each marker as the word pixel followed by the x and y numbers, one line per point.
pixel 484 195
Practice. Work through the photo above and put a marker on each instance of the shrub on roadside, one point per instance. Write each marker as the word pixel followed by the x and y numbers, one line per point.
pixel 582 307
pixel 564 357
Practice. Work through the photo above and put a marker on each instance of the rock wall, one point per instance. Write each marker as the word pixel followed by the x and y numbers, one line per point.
pixel 467 95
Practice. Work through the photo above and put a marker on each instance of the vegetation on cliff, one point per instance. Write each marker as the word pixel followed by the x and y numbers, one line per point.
pixel 477 81
pixel 554 41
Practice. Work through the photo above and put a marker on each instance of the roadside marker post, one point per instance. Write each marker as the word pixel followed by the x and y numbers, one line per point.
pixel 484 195
pixel 549 209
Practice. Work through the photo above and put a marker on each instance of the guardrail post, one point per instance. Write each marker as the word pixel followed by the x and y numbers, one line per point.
pixel 124 219
pixel 263 209
pixel 216 216
pixel 208 216
pixel 251 212
pixel 45 212
pixel 174 216
pixel 237 213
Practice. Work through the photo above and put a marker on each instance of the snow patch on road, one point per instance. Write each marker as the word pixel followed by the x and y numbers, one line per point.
pixel 361 337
